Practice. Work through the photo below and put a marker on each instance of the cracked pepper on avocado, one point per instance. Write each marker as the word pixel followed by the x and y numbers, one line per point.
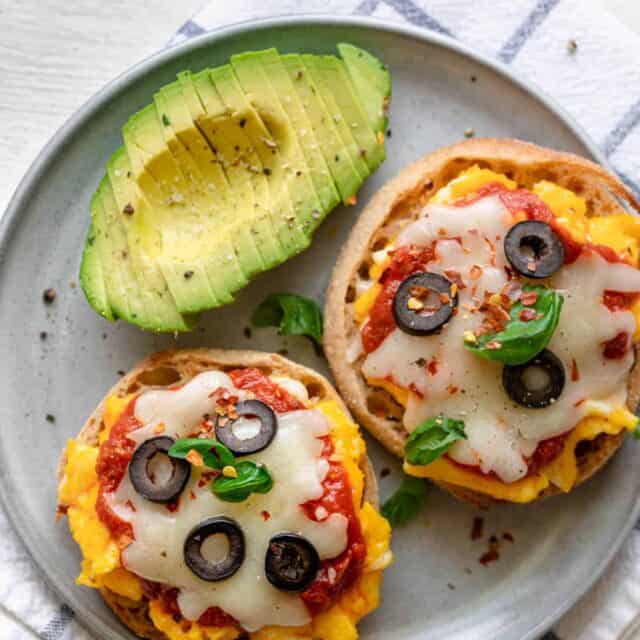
pixel 196 521
pixel 494 329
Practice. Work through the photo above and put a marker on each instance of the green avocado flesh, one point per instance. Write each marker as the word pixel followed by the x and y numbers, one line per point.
pixel 227 174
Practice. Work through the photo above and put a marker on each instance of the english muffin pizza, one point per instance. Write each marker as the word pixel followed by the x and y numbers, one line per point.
pixel 482 319
pixel 217 495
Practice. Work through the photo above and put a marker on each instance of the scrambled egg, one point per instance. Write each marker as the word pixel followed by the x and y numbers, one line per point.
pixel 621 232
pixel 101 557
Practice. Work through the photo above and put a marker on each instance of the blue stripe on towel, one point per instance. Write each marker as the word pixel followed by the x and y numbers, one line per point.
pixel 190 29
pixel 56 627
pixel 537 15
pixel 628 121
pixel 367 7
pixel 417 16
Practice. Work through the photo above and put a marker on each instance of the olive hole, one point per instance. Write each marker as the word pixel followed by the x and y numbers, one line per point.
pixel 246 427
pixel 533 247
pixel 215 548
pixel 160 469
pixel 536 378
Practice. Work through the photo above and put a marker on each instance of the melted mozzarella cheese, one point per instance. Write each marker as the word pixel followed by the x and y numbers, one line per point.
pixel 293 458
pixel 459 384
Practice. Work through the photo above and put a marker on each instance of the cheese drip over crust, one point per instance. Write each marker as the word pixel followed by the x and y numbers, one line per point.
pixel 295 463
pixel 459 384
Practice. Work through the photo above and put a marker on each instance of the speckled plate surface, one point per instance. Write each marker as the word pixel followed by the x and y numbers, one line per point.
pixel 436 589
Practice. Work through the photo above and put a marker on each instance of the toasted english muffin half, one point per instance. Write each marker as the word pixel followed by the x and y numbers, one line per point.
pixel 175 368
pixel 397 204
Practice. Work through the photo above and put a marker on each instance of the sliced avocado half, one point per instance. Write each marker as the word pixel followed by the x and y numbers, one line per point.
pixel 227 174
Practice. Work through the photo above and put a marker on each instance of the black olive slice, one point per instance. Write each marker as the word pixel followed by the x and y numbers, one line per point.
pixel 208 570
pixel 291 562
pixel 142 480
pixel 244 446
pixel 418 313
pixel 518 384
pixel 534 249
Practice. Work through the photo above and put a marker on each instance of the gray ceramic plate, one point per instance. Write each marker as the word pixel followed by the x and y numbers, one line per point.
pixel 436 589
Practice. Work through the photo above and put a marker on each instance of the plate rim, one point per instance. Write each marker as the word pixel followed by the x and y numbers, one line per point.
pixel 130 76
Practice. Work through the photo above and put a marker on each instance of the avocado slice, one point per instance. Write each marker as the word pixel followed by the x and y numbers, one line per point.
pixel 305 211
pixel 344 174
pixel 331 73
pixel 233 148
pixel 291 106
pixel 92 277
pixel 264 160
pixel 233 218
pixel 226 175
pixel 325 92
pixel 205 178
pixel 130 219
pixel 173 195
pixel 372 82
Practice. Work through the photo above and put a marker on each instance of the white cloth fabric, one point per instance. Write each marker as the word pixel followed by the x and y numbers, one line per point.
pixel 532 37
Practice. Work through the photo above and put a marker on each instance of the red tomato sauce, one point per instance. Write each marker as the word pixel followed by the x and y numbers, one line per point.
pixel 334 576
pixel 265 389
pixel 404 262
pixel 168 596
pixel 111 466
pixel 337 574
pixel 523 201
pixel 546 451
pixel 618 300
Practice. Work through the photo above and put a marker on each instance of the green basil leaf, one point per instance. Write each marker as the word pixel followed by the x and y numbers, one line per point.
pixel 292 314
pixel 520 341
pixel 432 439
pixel 214 454
pixel 251 479
pixel 406 502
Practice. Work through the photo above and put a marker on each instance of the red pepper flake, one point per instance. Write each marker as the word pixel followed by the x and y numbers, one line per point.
pixel 452 389
pixel 415 390
pixel 475 272
pixel 130 505
pixel 575 374
pixel 528 298
pixel 490 556
pixel 616 348
pixel 174 505
pixel 432 367
pixel 442 231
pixel 493 345
pixel 532 266
pixel 476 529
pixel 527 315
pixel 579 402
pixel 194 458
pixel 192 495
pixel 507 536
pixel 492 252
pixel 455 277
pixel 265 515
pixel 444 298
pixel 62 509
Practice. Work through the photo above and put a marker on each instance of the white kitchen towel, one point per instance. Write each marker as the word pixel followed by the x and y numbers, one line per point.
pixel 597 81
